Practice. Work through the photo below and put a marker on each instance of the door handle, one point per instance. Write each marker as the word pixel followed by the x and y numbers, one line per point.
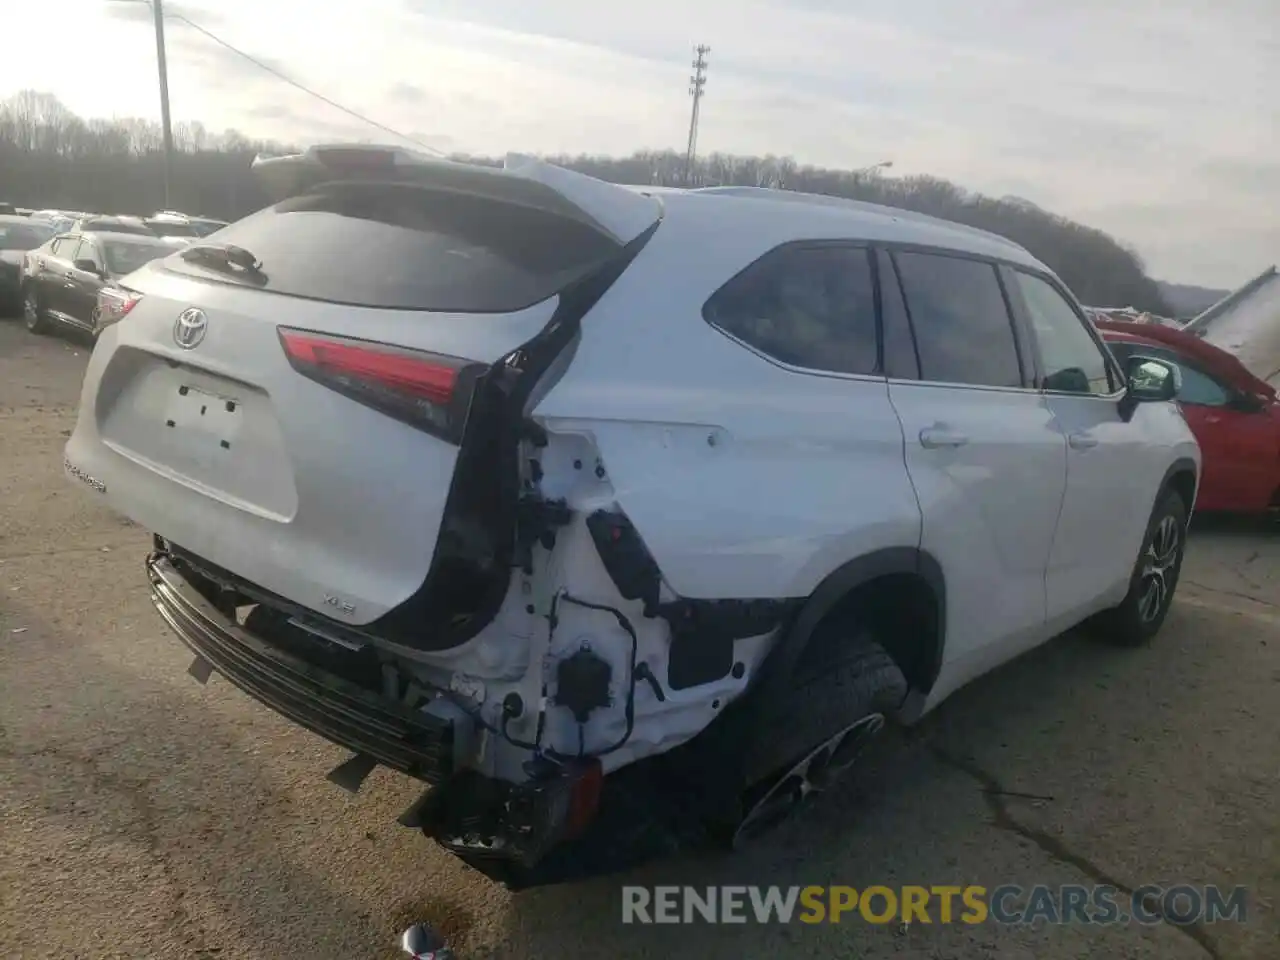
pixel 1082 441
pixel 931 438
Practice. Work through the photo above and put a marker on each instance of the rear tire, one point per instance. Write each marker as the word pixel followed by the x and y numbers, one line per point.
pixel 814 734
pixel 33 311
pixel 1140 615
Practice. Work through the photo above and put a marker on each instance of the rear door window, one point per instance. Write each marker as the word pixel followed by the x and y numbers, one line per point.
pixel 408 248
pixel 89 251
pixel 809 306
pixel 64 248
pixel 963 330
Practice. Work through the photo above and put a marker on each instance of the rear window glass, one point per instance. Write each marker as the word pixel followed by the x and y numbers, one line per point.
pixel 407 248
pixel 202 228
pixel 162 229
pixel 807 306
pixel 116 226
pixel 125 257
pixel 22 236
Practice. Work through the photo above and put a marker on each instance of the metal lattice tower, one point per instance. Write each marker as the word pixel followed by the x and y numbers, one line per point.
pixel 697 86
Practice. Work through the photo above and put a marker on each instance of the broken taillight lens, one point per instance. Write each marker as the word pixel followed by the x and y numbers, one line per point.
pixel 426 390
pixel 113 305
pixel 587 780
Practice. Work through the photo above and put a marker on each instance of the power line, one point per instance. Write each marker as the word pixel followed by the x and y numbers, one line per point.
pixel 294 83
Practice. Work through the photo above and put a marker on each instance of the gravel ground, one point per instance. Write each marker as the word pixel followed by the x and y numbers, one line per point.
pixel 144 815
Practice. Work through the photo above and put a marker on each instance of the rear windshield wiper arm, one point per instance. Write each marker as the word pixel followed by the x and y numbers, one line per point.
pixel 226 258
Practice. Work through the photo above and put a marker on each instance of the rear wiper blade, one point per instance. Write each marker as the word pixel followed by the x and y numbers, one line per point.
pixel 225 257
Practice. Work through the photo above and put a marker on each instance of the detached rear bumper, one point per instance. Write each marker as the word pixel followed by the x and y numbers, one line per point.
pixel 515 834
pixel 415 743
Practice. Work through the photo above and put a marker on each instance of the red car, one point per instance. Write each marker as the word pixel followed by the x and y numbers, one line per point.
pixel 1234 415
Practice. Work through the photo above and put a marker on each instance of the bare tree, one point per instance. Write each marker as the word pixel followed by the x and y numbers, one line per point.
pixel 49 157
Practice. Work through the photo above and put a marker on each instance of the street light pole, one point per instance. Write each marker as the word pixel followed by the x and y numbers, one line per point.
pixel 157 7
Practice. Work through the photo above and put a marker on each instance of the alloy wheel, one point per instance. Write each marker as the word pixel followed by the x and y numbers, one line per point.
pixel 772 802
pixel 1159 563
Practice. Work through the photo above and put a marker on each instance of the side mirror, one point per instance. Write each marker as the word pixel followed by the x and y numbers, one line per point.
pixel 1150 381
pixel 88 266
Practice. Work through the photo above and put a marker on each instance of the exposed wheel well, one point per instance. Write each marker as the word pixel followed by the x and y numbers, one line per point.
pixel 1183 483
pixel 901 609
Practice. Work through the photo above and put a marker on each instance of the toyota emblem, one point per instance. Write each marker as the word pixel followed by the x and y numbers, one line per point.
pixel 190 328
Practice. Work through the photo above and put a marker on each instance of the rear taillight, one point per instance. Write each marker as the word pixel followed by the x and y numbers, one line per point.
pixel 426 390
pixel 113 305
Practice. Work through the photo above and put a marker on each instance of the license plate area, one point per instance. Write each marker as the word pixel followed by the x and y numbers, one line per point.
pixel 214 435
pixel 198 412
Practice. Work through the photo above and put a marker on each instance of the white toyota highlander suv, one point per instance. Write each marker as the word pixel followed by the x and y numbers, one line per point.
pixel 619 516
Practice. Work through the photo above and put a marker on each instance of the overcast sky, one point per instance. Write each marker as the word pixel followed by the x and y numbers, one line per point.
pixel 1155 120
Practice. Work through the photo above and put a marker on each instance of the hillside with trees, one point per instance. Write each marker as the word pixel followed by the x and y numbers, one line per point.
pixel 1185 300
pixel 50 157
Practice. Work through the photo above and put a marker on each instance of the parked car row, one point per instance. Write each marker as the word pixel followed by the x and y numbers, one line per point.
pixel 64 267
pixel 74 278
pixel 18 235
pixel 166 223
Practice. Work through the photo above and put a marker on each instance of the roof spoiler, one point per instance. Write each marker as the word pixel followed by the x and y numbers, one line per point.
pixel 615 211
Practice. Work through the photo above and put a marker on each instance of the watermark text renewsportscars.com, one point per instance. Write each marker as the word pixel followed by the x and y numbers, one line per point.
pixel 1181 904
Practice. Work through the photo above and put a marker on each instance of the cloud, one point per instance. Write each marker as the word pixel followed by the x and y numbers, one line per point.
pixel 408 93
pixel 1156 120
pixel 141 11
pixel 130 11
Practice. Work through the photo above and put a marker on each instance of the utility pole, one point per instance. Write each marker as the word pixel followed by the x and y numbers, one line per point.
pixel 697 85
pixel 157 7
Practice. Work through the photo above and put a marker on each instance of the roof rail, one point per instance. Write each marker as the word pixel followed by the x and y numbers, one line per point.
pixel 849 203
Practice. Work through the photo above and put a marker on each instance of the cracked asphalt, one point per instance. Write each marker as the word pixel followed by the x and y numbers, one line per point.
pixel 142 815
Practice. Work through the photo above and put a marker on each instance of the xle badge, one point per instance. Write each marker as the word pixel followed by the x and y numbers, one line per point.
pixel 74 471
pixel 338 604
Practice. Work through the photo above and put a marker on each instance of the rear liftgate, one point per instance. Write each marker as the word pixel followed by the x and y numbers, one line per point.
pixel 467 812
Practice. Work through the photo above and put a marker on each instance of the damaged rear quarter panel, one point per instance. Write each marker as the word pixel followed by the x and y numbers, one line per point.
pixel 744 478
